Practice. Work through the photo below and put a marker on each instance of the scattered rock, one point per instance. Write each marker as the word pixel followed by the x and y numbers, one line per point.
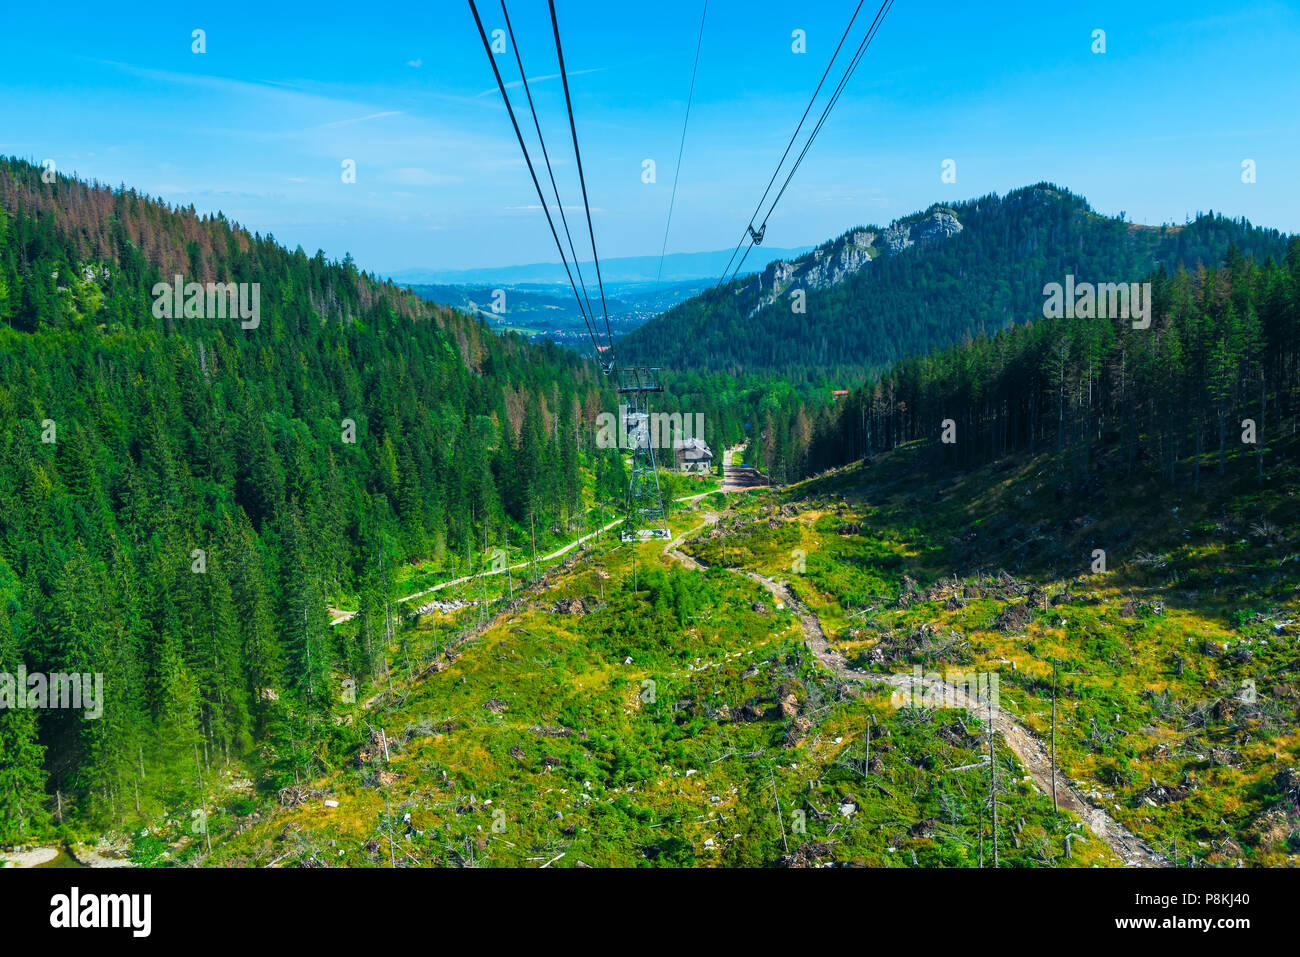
pixel 1239 656
pixel 1224 757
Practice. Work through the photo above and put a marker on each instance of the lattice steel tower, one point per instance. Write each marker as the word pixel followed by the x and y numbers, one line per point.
pixel 645 510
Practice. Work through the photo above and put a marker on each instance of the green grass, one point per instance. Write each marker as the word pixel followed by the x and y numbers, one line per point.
pixel 649 731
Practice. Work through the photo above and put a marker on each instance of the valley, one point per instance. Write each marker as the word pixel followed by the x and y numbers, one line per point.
pixel 749 713
pixel 1065 639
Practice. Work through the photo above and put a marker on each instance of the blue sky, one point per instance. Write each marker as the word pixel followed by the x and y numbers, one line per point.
pixel 259 125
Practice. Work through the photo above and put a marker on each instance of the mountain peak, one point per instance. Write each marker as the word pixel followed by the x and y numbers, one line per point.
pixel 874 295
pixel 836 261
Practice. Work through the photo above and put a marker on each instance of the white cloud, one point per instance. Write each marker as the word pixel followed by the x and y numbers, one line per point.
pixel 362 119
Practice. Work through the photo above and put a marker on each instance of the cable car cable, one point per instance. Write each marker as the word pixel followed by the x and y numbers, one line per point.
pixel 487 48
pixel 546 156
pixel 680 149
pixel 872 30
pixel 848 75
pixel 568 101
pixel 794 136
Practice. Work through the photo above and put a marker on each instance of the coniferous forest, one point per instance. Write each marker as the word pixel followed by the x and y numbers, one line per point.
pixel 182 499
pixel 1216 372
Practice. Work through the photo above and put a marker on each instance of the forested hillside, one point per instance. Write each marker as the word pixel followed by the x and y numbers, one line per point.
pixel 1213 384
pixel 914 289
pixel 181 498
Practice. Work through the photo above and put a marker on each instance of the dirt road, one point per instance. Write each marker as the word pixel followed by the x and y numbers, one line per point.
pixel 1131 849
pixel 736 478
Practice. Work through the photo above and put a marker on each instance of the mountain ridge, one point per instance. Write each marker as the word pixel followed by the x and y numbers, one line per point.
pixel 874 295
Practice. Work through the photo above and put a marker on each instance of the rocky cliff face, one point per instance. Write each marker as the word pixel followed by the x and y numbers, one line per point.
pixel 938 225
pixel 839 259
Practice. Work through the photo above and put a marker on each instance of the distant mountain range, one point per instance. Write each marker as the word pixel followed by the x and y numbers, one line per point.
pixel 551 311
pixel 875 295
pixel 538 300
pixel 677 267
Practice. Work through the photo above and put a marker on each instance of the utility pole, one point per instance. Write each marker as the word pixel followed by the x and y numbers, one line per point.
pixel 866 761
pixel 532 531
pixel 1055 808
pixel 483 610
pixel 993 783
pixel 203 817
pixel 779 818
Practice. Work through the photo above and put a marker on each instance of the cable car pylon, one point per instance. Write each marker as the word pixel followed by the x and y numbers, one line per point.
pixel 646 520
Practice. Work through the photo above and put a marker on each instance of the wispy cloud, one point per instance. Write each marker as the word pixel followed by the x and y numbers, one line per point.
pixel 362 119
pixel 568 209
pixel 534 80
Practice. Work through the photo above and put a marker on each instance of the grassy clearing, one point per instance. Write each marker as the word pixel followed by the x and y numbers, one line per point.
pixel 681 725
pixel 1177 695
pixel 686 724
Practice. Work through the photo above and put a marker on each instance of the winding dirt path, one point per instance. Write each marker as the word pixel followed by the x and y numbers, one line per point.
pixel 1131 849
pixel 338 616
